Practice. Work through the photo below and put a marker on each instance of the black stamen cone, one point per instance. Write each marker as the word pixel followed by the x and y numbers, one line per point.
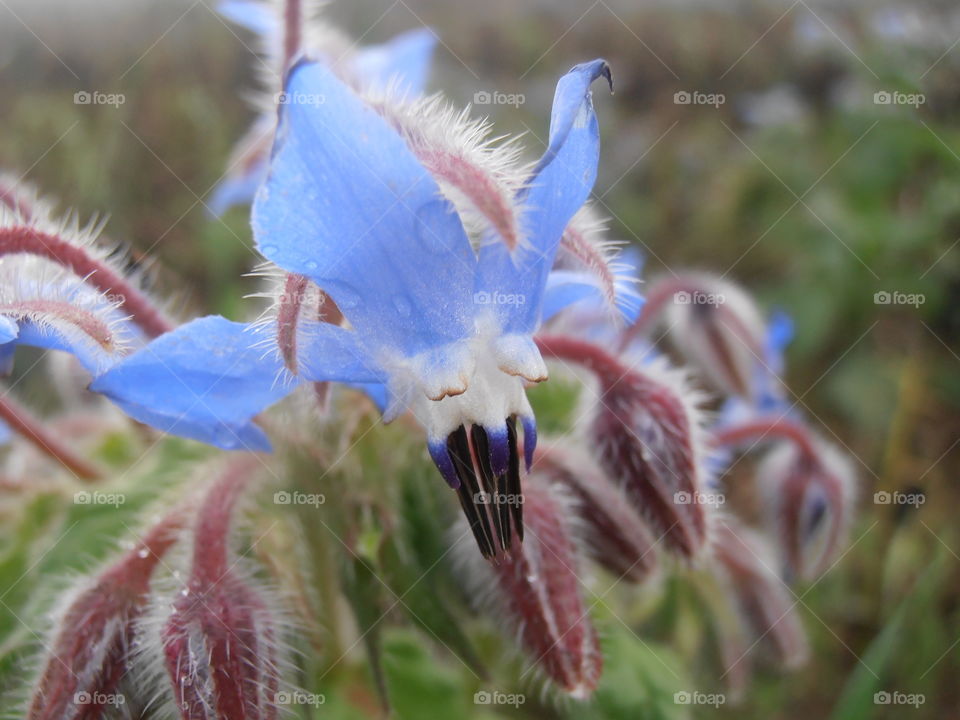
pixel 490 502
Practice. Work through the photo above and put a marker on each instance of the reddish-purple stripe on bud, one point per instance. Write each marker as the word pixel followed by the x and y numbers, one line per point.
pixel 765 603
pixel 645 434
pixel 87 657
pixel 615 534
pixel 536 589
pixel 220 639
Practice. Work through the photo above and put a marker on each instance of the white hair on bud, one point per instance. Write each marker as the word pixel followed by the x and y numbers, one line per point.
pixel 584 245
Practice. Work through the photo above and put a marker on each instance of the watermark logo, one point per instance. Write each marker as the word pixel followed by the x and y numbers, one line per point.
pixel 882 497
pixel 895 97
pixel 485 498
pixel 85 497
pixel 695 97
pixel 487 697
pixel 684 297
pixel 86 97
pixel 685 697
pixel 99 699
pixel 698 498
pixel 282 497
pixel 884 297
pixel 297 697
pixel 299 98
pixel 486 97
pixel 898 698
pixel 498 298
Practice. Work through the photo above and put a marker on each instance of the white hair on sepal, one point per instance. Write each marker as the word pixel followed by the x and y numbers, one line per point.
pixel 56 301
pixel 170 582
pixel 479 174
pixel 584 245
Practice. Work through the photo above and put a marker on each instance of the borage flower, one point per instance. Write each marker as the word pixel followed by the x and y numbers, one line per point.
pixel 436 327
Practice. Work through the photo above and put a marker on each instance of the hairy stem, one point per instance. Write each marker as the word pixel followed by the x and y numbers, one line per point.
pixel 29 427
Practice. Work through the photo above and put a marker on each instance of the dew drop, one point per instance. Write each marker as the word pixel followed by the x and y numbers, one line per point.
pixel 269 249
pixel 347 299
pixel 143 553
pixel 311 265
pixel 402 305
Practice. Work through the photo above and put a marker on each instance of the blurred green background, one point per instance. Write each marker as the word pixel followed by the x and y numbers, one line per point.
pixel 803 185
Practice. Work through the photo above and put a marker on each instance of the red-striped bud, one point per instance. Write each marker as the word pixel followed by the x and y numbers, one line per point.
pixel 764 601
pixel 615 535
pixel 646 430
pixel 88 653
pixel 809 493
pixel 220 637
pixel 535 588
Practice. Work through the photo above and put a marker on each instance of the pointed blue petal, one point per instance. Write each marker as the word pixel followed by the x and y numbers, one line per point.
pixel 202 381
pixel 404 60
pixel 347 204
pixel 6 435
pixel 561 183
pixel 254 16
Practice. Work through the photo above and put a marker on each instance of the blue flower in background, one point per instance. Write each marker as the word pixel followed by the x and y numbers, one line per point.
pixel 435 326
pixel 402 63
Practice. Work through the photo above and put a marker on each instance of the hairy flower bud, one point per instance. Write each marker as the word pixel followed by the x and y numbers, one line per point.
pixel 87 655
pixel 714 323
pixel 535 589
pixel 766 605
pixel 615 535
pixel 646 430
pixel 808 490
pixel 219 636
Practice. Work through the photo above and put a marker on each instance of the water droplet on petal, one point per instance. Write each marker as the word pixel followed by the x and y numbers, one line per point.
pixel 347 299
pixel 143 553
pixel 311 265
pixel 269 249
pixel 402 305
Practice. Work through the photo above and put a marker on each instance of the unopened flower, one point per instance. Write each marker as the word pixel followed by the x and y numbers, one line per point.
pixel 645 427
pixel 535 591
pixel 615 535
pixel 348 205
pixel 93 634
pixel 714 324
pixel 749 568
pixel 808 490
pixel 219 635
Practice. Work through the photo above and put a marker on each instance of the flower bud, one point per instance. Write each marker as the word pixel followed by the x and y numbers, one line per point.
pixel 808 490
pixel 614 533
pixel 535 589
pixel 764 601
pixel 646 430
pixel 220 637
pixel 87 655
pixel 714 324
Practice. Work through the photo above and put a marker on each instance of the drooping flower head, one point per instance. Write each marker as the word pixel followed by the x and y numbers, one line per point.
pixel 435 326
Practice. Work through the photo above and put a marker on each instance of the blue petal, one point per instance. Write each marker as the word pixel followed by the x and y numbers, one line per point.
pixel 567 287
pixel 202 381
pixel 347 204
pixel 405 60
pixel 6 435
pixel 331 353
pixel 561 183
pixel 236 190
pixel 779 335
pixel 254 16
